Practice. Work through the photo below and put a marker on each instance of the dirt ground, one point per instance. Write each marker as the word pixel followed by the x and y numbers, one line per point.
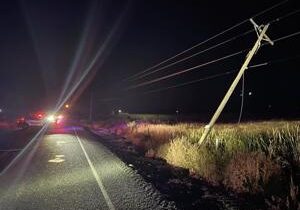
pixel 176 184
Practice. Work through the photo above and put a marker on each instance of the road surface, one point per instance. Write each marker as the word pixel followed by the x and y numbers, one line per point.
pixel 69 169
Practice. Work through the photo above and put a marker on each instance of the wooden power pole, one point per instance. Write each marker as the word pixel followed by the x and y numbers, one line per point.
pixel 261 33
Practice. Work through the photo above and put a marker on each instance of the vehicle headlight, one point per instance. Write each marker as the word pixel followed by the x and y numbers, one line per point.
pixel 51 118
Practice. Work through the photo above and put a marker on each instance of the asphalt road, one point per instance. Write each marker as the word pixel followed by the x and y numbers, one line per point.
pixel 69 169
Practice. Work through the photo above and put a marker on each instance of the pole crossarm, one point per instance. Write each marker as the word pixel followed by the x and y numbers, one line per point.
pixel 261 31
pixel 258 30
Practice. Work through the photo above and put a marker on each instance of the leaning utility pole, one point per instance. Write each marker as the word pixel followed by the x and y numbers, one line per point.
pixel 261 33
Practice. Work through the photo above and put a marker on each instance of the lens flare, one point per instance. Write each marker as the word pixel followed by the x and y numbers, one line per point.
pixel 51 118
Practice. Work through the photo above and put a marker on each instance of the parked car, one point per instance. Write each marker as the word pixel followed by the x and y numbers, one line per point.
pixel 39 119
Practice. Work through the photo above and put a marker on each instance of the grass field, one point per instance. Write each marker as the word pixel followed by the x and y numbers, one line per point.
pixel 254 157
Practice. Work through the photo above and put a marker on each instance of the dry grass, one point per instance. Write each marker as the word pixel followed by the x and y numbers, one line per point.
pixel 249 157
pixel 250 172
pixel 244 157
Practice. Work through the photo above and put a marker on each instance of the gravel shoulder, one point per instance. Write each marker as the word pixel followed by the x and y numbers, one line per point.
pixel 174 183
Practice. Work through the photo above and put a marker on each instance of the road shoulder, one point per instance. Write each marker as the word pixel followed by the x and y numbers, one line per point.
pixel 174 183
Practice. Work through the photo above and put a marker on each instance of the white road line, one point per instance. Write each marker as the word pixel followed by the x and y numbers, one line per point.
pixel 100 184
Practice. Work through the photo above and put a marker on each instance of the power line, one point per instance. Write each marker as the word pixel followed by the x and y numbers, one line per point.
pixel 187 70
pixel 287 36
pixel 270 8
pixel 222 74
pixel 193 55
pixel 280 60
pixel 207 40
pixel 285 16
pixel 242 98
pixel 175 86
pixel 213 47
pixel 207 63
pixel 254 66
pixel 191 82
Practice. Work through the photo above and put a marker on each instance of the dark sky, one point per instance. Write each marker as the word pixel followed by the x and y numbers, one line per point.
pixel 39 40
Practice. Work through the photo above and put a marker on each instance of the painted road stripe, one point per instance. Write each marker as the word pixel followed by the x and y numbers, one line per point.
pixel 100 184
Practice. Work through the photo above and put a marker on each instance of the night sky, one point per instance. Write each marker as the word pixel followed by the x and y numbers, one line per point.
pixel 39 40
